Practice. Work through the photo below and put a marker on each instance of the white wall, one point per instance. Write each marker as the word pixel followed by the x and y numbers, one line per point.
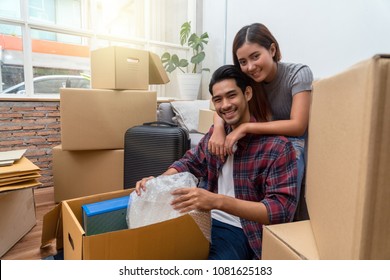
pixel 327 35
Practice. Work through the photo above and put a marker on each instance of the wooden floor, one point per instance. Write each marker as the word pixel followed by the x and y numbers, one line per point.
pixel 28 248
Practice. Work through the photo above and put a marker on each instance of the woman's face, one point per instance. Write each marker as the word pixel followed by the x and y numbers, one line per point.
pixel 257 62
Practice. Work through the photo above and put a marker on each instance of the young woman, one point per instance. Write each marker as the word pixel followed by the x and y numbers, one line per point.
pixel 282 94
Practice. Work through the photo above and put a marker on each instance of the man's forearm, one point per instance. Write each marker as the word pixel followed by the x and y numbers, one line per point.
pixel 170 171
pixel 249 210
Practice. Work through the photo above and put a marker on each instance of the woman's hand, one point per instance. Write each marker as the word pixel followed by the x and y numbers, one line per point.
pixel 216 144
pixel 141 185
pixel 232 138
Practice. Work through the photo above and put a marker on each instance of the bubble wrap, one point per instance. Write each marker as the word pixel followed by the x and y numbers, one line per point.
pixel 153 205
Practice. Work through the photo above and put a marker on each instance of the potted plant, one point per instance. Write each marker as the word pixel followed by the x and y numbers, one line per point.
pixel 189 83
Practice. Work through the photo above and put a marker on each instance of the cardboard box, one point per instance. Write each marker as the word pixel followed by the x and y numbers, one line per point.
pixel 93 119
pixel 206 120
pixel 81 173
pixel 125 68
pixel 347 177
pixel 17 216
pixel 179 238
pixel 211 107
pixel 289 241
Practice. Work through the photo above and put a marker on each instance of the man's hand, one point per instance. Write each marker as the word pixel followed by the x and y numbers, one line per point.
pixel 141 185
pixel 194 198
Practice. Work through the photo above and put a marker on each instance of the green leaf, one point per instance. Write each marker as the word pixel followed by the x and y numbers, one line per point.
pixel 185 32
pixel 170 67
pixel 175 59
pixel 183 63
pixel 165 57
pixel 196 59
pixel 197 43
pixel 168 62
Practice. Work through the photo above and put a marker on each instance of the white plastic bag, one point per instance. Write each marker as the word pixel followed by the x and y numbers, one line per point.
pixel 153 205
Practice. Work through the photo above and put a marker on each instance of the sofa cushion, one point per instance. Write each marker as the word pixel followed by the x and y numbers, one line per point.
pixel 165 113
pixel 187 113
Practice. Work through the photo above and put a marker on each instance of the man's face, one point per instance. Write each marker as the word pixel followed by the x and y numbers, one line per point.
pixel 230 103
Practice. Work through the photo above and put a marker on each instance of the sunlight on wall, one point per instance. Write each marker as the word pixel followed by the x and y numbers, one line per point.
pixel 120 18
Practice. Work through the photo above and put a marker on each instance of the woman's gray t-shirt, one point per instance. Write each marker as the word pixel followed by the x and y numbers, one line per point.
pixel 290 79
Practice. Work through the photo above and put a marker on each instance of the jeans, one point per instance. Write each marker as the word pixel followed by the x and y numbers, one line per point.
pixel 299 146
pixel 228 243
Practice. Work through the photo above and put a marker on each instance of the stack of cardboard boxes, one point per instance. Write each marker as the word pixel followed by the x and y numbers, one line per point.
pixel 88 167
pixel 347 179
pixel 94 121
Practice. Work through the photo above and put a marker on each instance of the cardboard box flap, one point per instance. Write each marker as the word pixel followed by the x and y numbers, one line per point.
pixel 347 187
pixel 52 228
pixel 73 234
pixel 377 190
pixel 157 73
pixel 299 237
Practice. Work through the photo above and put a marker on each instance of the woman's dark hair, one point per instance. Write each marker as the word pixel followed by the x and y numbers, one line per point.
pixel 257 33
pixel 257 105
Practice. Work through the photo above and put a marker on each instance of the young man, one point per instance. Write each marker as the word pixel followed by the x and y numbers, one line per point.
pixel 255 186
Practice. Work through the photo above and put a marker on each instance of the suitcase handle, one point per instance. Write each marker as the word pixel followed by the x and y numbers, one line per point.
pixel 161 123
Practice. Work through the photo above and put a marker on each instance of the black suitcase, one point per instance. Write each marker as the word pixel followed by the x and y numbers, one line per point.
pixel 151 148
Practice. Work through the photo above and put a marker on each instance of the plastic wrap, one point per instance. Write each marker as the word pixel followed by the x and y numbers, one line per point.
pixel 153 205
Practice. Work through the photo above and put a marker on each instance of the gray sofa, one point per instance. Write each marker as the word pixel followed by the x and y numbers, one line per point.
pixel 184 114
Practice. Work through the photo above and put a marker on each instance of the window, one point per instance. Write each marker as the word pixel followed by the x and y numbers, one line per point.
pixel 11 56
pixel 49 47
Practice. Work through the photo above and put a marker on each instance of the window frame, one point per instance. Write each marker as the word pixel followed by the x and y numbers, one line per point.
pixel 26 24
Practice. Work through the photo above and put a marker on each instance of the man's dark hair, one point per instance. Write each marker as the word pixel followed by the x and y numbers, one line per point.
pixel 229 72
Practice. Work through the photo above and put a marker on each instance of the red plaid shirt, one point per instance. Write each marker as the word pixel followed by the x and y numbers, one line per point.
pixel 264 170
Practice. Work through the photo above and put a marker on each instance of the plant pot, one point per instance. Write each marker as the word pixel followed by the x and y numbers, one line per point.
pixel 189 85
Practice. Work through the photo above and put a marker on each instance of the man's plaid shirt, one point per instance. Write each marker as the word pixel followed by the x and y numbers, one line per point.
pixel 264 170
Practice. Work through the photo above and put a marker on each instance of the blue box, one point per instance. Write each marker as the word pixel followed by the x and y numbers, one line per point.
pixel 105 216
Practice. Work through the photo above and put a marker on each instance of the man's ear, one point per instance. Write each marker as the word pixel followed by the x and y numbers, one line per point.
pixel 248 93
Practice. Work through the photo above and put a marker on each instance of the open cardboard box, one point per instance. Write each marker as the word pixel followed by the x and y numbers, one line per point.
pixel 179 238
pixel 126 68
pixel 289 241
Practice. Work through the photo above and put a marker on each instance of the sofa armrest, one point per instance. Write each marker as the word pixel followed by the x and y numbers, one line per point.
pixel 165 113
